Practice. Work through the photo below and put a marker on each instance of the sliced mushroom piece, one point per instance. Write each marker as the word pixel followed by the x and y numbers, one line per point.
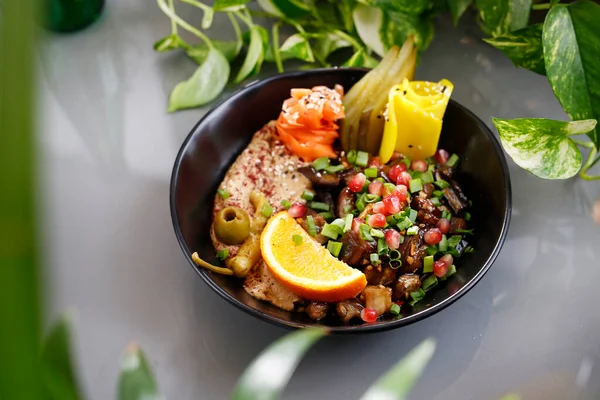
pixel 405 285
pixel 345 203
pixel 349 309
pixel 378 298
pixel 456 224
pixel 320 179
pixel 317 310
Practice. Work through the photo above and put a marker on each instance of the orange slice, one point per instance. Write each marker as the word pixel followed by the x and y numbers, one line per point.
pixel 304 266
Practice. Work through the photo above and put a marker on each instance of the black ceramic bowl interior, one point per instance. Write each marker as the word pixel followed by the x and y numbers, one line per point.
pixel 214 143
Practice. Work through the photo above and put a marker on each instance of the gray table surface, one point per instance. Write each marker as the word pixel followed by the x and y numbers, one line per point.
pixel 107 147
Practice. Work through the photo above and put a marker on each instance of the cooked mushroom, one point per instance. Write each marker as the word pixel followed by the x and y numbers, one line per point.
pixel 320 179
pixel 345 203
pixel 405 285
pixel 349 309
pixel 456 224
pixel 455 201
pixel 413 251
pixel 373 274
pixel 378 298
pixel 317 310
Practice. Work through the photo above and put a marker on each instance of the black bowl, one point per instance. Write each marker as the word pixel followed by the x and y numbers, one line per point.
pixel 213 144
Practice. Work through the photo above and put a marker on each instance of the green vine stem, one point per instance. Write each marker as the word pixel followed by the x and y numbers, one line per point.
pixel 175 18
pixel 543 6
pixel 276 52
pixel 590 162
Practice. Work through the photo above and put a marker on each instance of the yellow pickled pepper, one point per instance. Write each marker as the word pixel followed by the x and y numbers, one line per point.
pixel 414 119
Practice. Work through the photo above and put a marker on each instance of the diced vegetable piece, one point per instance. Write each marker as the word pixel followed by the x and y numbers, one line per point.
pixel 430 282
pixel 442 184
pixel 428 264
pixel 327 215
pixel 332 169
pixel 413 230
pixel 297 239
pixel 376 233
pixel 331 231
pixel 382 247
pixel 348 222
pixel 371 172
pixel 321 163
pixel 286 204
pixel 351 157
pixel 452 161
pixel 334 248
pixel 395 309
pixel 415 185
pixel 267 210
pixel 365 232
pixel 412 215
pixel 223 254
pixel 374 258
pixel 317 205
pixel 308 195
pixel 443 244
pixel 427 177
pixel 362 158
pixel 223 193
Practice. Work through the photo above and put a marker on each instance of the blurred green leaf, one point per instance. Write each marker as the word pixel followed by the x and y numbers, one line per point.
pixel 328 43
pixel 266 377
pixel 204 85
pixel 523 47
pixel 136 381
pixel 503 16
pixel 397 383
pixel 254 56
pixel 296 46
pixel 229 5
pixel 20 367
pixel 361 59
pixel 397 27
pixel 170 42
pixel 458 8
pixel 60 379
pixel 230 50
pixel 207 18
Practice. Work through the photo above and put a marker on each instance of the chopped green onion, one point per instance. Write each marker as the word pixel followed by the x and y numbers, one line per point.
pixel 401 239
pixel 362 158
pixel 407 162
pixel 417 296
pixel 286 204
pixel 267 210
pixel 371 172
pixel 412 215
pixel 331 231
pixel 415 185
pixel 348 222
pixel 351 157
pixel 297 240
pixel 223 193
pixel 451 271
pixel 430 282
pixel 435 201
pixel 377 233
pixel 466 231
pixel 312 228
pixel 395 255
pixel 454 240
pixel 223 254
pixel 321 163
pixel 431 166
pixel 340 223
pixel 365 186
pixel 446 215
pixel 441 184
pixel 452 161
pixel 365 232
pixel 308 195
pixel 389 186
pixel 317 205
pixel 327 215
pixel 395 309
pixel 374 258
pixel 443 244
pixel 404 224
pixel 469 249
pixel 453 252
pixel 427 177
pixel 361 203
pixel 467 216
pixel 413 230
pixel 438 193
pixel 431 250
pixel 332 169
pixel 334 248
pixel 382 247
pixel 428 264
pixel 372 198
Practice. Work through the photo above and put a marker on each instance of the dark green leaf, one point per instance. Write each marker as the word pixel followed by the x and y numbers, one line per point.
pixel 542 146
pixel 171 42
pixel 266 377
pixel 296 46
pixel 205 85
pixel 457 8
pixel 414 7
pixel 327 44
pixel 283 8
pixel 136 381
pixel 397 383
pixel 230 50
pixel 503 16
pixel 229 5
pixel 361 59
pixel 523 47
pixel 571 42
pixel 518 14
pixel 345 10
pixel 254 55
pixel 57 363
pixel 397 27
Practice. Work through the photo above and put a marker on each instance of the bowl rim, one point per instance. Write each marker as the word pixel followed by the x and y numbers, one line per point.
pixel 336 329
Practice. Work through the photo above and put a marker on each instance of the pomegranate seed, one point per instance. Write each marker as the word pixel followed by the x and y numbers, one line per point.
pixel 440 269
pixel 453 287
pixel 401 192
pixel 379 207
pixel 375 162
pixel 399 302
pixel 441 156
pixel 447 259
pixel 443 225
pixel 356 224
pixel 377 220
pixel 396 170
pixel 392 205
pixel 375 188
pixel 297 210
pixel 357 182
pixel 392 238
pixel 368 315
pixel 419 165
pixel 404 178
pixel 432 236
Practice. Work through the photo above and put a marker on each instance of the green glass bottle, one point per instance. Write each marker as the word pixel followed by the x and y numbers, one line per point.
pixel 71 15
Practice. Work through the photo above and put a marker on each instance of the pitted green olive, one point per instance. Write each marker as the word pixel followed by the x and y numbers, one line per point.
pixel 232 225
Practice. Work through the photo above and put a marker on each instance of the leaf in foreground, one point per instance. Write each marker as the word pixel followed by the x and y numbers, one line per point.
pixel 458 8
pixel 397 383
pixel 230 50
pixel 266 377
pixel 542 146
pixel 571 40
pixel 523 47
pixel 57 363
pixel 204 85
pixel 136 381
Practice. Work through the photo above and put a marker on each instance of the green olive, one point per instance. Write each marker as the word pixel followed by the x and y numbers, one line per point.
pixel 232 225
